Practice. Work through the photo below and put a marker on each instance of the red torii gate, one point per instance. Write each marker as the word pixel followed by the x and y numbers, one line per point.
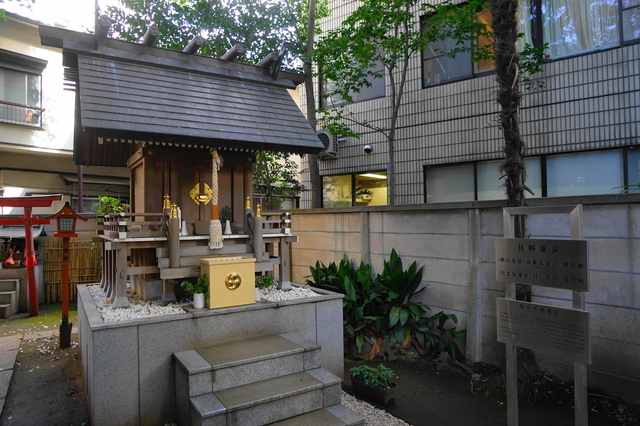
pixel 28 221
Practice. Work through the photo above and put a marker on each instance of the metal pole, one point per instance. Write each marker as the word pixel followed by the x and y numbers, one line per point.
pixel 65 327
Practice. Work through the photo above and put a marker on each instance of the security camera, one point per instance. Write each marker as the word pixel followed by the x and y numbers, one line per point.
pixel 368 149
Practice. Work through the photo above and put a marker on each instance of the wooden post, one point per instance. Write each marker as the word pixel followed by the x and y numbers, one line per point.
pixel 174 242
pixel 579 368
pixel 120 299
pixel 174 238
pixel 65 327
pixel 29 257
pixel 511 362
pixel 258 246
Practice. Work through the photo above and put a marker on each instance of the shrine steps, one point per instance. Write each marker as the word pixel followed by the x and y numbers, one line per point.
pixel 8 298
pixel 259 381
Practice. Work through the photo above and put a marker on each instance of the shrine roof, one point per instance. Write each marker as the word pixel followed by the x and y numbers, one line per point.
pixel 134 92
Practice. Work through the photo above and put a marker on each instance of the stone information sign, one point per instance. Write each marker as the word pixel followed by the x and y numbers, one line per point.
pixel 549 329
pixel 549 263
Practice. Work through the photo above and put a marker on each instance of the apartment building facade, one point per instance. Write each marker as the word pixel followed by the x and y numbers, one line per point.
pixel 581 129
pixel 581 135
pixel 37 124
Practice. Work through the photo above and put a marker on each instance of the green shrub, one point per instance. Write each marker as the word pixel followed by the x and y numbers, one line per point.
pixel 106 205
pixel 361 297
pixel 377 377
pixel 382 308
pixel 264 281
pixel 406 318
pixel 444 339
pixel 200 286
pixel 225 213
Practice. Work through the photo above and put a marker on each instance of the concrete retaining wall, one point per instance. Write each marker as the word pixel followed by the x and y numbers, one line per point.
pixel 128 366
pixel 456 244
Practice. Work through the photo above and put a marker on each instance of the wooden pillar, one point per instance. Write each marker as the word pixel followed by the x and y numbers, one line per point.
pixel 284 254
pixel 174 242
pixel 30 257
pixel 174 238
pixel 119 298
pixel 258 245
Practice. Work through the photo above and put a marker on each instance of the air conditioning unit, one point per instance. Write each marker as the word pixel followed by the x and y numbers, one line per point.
pixel 330 143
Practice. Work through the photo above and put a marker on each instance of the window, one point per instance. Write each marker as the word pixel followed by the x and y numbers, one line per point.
pixel 377 89
pixel 437 68
pixel 588 173
pixel 570 27
pixel 630 20
pixel 578 26
pixel 583 173
pixel 474 181
pixel 574 26
pixel 450 183
pixel 362 189
pixel 490 186
pixel 20 89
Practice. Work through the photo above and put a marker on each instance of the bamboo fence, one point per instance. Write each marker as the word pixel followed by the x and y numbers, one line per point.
pixel 84 266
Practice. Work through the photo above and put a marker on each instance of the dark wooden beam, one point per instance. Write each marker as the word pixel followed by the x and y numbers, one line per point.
pixel 151 35
pixel 271 59
pixel 194 44
pixel 233 53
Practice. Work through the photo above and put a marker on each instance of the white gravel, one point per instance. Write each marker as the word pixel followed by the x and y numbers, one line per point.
pixel 272 294
pixel 138 307
pixel 372 416
pixel 141 309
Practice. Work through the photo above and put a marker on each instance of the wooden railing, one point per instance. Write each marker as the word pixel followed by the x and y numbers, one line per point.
pixel 138 247
pixel 135 225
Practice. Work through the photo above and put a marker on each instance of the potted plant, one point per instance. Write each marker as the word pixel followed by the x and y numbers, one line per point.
pixel 200 290
pixel 225 216
pixel 262 282
pixel 374 383
pixel 106 205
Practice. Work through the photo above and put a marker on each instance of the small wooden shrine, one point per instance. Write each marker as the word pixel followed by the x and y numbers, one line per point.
pixel 187 127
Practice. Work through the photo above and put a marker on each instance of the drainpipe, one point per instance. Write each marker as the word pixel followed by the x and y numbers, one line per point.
pixel 80 189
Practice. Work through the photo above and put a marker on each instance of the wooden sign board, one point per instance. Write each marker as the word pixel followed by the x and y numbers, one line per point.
pixel 549 263
pixel 564 333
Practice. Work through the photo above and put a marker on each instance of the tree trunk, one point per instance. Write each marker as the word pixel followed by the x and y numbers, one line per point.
pixel 507 62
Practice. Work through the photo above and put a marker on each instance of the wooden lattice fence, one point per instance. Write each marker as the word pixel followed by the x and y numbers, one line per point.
pixel 84 266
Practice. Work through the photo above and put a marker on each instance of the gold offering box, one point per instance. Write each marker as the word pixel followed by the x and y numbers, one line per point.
pixel 231 281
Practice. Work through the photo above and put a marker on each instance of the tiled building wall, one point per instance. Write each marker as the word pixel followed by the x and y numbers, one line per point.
pixel 456 245
pixel 588 102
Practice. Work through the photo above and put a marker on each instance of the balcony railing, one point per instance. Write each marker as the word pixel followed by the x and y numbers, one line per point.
pixel 20 114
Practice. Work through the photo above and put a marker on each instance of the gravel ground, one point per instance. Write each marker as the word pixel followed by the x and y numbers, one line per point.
pixel 372 416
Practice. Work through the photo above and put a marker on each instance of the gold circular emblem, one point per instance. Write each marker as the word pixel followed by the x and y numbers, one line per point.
pixel 233 281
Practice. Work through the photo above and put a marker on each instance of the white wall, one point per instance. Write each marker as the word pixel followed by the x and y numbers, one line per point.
pixel 57 132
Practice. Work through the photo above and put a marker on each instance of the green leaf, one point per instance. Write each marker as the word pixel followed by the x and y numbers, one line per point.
pixel 404 316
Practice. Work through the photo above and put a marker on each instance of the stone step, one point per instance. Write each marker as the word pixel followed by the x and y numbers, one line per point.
pixel 221 367
pixel 337 415
pixel 8 303
pixel 269 400
pixel 7 297
pixel 9 284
